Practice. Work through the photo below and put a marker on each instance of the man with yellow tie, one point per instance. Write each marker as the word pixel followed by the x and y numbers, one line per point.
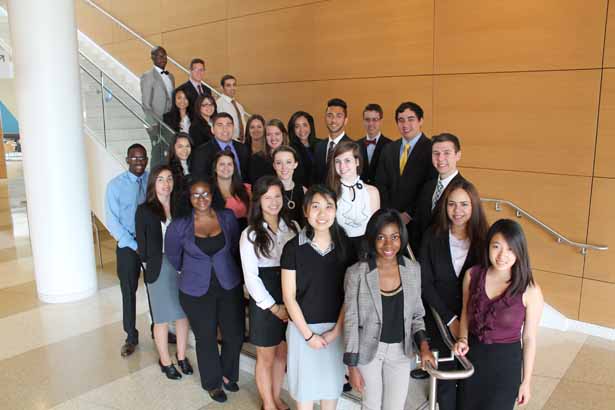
pixel 405 164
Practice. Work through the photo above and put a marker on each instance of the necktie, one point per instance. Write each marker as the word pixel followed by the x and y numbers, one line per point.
pixel 330 149
pixel 228 149
pixel 369 142
pixel 437 194
pixel 239 117
pixel 200 89
pixel 141 191
pixel 403 158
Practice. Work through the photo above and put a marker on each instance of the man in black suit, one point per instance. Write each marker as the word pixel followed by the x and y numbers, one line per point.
pixel 405 164
pixel 445 153
pixel 336 118
pixel 203 156
pixel 194 86
pixel 373 142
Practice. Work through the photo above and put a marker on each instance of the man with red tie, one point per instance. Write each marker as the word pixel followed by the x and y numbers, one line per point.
pixel 194 86
pixel 373 142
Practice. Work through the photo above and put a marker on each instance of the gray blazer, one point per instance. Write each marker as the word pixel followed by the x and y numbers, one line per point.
pixel 154 94
pixel 363 307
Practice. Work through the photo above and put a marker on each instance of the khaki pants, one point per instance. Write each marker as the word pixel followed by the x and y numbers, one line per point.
pixel 386 378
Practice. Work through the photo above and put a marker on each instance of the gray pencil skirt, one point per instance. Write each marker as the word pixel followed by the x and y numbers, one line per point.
pixel 164 295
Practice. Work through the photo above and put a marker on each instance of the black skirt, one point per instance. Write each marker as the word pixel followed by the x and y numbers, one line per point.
pixel 266 329
pixel 496 379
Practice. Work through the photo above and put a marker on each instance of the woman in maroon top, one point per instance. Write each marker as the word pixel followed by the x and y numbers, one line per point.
pixel 499 299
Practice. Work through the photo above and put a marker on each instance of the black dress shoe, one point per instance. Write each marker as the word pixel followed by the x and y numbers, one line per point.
pixel 128 349
pixel 419 374
pixel 217 395
pixel 170 371
pixel 185 366
pixel 231 386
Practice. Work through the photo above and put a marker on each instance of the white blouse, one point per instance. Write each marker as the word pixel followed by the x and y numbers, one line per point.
pixel 353 209
pixel 251 261
pixel 164 226
pixel 459 251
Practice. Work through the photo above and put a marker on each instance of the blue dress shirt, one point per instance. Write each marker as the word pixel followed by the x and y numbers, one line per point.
pixel 124 194
pixel 412 143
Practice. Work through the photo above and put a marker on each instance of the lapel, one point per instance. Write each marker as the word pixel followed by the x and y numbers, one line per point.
pixel 406 285
pixel 447 258
pixel 373 284
pixel 363 150
pixel 415 152
pixel 381 143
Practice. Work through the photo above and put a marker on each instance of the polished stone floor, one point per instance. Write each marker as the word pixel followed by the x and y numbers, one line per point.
pixel 66 357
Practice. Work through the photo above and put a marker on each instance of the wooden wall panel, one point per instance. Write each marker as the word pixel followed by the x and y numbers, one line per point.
pixel 134 54
pixel 91 22
pixel 142 16
pixel 208 41
pixel 499 35
pixel 369 41
pixel 597 303
pixel 605 148
pixel 273 47
pixel 284 99
pixel 238 8
pixel 609 50
pixel 189 13
pixel 561 202
pixel 600 264
pixel 540 122
pixel 563 292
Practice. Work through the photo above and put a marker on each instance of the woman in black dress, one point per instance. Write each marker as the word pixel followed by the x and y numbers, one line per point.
pixel 261 246
pixel 204 109
pixel 261 163
pixel 179 159
pixel 285 162
pixel 179 118
pixel 302 137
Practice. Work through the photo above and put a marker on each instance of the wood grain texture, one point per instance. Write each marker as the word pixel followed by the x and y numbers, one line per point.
pixel 563 292
pixel 597 303
pixel 600 264
pixel 605 147
pixel 190 13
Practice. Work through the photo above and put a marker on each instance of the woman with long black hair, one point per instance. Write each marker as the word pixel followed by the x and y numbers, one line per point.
pixel 261 244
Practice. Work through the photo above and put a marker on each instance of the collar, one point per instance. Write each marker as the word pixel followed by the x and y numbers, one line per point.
pixel 134 178
pixel 376 138
pixel 223 144
pixel 160 70
pixel 282 227
pixel 195 83
pixel 303 239
pixel 226 98
pixel 338 138
pixel 413 141
pixel 449 178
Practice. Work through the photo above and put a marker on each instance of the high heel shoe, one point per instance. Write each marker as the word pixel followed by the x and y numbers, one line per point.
pixel 170 371
pixel 185 366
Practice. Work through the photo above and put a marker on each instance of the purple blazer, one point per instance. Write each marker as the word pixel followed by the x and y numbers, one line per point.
pixel 194 265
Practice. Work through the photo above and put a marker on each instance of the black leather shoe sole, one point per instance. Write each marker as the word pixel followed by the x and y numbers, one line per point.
pixel 217 395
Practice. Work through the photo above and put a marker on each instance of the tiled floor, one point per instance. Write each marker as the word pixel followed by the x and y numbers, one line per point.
pixel 66 357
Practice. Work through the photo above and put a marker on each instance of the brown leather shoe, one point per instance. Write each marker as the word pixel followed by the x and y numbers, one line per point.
pixel 127 349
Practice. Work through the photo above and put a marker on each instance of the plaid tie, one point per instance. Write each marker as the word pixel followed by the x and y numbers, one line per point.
pixel 437 194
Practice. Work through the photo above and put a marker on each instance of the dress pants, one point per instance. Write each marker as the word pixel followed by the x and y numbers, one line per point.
pixel 447 389
pixel 217 307
pixel 156 156
pixel 386 378
pixel 128 270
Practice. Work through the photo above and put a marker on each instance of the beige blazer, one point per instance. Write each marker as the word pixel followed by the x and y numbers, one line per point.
pixel 363 307
pixel 154 94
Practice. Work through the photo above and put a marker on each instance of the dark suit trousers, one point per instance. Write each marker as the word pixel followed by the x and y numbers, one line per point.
pixel 217 307
pixel 447 389
pixel 128 270
pixel 156 156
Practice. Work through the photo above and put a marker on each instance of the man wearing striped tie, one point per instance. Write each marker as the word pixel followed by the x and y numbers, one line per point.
pixel 124 194
pixel 405 165
pixel 445 153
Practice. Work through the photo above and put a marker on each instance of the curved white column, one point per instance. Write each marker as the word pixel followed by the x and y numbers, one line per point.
pixel 44 39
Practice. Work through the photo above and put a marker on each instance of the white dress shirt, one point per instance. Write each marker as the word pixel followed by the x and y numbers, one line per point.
pixel 250 261
pixel 167 82
pixel 372 147
pixel 444 182
pixel 225 105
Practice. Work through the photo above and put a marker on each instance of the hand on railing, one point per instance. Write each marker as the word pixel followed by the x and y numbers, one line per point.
pixel 461 347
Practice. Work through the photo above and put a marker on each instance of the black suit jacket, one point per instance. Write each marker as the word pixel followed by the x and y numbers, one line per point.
pixel 319 164
pixel 203 158
pixel 200 132
pixel 192 93
pixel 368 174
pixel 149 241
pixel 424 216
pixel 401 191
pixel 303 172
pixel 440 287
pixel 260 166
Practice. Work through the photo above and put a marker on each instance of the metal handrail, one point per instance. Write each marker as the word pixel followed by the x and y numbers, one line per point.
pixel 152 114
pixel 143 40
pixel 558 236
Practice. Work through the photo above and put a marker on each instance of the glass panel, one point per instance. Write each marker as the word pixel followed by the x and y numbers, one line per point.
pixel 123 125
pixel 92 105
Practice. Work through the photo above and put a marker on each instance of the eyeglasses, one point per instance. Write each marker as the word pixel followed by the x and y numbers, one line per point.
pixel 202 195
pixel 135 159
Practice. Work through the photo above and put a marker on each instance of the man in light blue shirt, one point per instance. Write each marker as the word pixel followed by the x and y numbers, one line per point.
pixel 124 194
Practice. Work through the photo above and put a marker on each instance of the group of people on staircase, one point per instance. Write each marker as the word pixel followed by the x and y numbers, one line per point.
pixel 321 236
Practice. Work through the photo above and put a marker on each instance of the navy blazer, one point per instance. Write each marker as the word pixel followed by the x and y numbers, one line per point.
pixel 194 265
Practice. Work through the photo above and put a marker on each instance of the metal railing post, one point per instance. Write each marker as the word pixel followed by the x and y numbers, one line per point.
pixel 433 385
